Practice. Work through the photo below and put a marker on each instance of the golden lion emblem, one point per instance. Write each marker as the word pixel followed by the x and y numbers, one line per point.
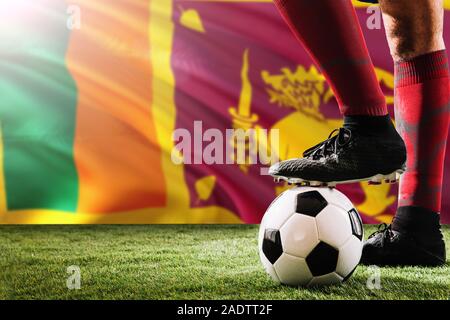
pixel 303 90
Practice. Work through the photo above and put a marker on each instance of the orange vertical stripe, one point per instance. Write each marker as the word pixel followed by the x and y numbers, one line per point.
pixel 116 150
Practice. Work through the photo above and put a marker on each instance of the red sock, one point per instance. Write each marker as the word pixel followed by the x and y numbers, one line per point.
pixel 330 31
pixel 422 115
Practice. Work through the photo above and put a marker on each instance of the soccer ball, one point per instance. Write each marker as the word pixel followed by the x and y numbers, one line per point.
pixel 310 237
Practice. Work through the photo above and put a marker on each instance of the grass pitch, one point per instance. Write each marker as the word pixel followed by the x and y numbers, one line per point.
pixel 175 262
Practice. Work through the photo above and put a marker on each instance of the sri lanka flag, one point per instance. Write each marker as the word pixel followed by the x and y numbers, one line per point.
pixel 93 91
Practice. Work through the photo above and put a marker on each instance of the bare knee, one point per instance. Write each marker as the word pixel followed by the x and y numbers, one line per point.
pixel 413 28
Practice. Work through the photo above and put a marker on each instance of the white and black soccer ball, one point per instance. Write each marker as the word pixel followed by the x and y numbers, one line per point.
pixel 310 236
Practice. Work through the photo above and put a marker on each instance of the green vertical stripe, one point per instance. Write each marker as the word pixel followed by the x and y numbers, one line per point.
pixel 37 107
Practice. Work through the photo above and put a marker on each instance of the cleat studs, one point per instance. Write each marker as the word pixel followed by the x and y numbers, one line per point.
pixel 315 184
pixel 376 180
pixel 391 176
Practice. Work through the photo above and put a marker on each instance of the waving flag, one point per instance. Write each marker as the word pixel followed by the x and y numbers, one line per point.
pixel 93 91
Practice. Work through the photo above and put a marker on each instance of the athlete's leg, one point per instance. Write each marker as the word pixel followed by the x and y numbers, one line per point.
pixel 422 101
pixel 330 31
pixel 413 28
pixel 368 146
pixel 422 95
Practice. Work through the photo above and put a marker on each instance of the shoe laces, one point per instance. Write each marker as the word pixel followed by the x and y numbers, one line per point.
pixel 329 146
pixel 386 232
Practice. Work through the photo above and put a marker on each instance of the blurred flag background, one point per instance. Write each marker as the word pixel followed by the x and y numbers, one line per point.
pixel 92 92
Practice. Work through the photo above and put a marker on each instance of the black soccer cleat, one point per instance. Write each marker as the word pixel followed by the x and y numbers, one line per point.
pixel 387 247
pixel 345 157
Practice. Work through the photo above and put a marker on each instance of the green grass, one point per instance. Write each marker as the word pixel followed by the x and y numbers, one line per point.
pixel 175 262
